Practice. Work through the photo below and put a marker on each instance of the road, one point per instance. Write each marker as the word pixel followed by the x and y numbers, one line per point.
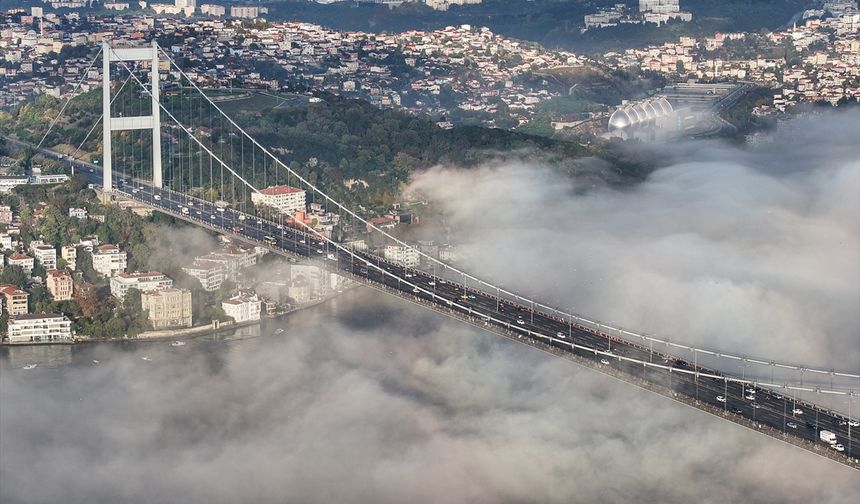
pixel 763 407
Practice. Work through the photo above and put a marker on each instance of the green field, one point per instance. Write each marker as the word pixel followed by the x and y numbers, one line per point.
pixel 253 102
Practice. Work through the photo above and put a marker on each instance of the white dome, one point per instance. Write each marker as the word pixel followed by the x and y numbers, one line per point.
pixel 619 120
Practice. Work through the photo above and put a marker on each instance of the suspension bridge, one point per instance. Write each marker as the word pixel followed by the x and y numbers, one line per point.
pixel 170 146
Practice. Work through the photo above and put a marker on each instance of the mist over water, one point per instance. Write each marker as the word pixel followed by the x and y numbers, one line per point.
pixel 371 399
pixel 751 251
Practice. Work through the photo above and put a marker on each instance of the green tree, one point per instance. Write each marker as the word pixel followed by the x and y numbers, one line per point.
pixel 14 275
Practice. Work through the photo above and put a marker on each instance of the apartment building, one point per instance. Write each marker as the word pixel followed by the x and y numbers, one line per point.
pixel 46 255
pixel 243 308
pixel 39 327
pixel 402 255
pixel 284 198
pixel 144 281
pixel 60 284
pixel 209 273
pixel 24 261
pixel 108 260
pixel 14 300
pixel 69 253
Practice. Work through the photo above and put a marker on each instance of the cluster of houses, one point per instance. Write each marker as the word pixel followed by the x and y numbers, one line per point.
pixel 166 306
pixel 828 69
pixel 412 70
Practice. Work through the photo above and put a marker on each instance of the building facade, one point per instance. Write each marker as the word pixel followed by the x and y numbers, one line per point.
pixel 284 198
pixel 60 284
pixel 209 273
pixel 14 300
pixel 108 260
pixel 402 255
pixel 168 308
pixel 243 308
pixel 144 281
pixel 46 255
pixel 39 327
pixel 24 261
pixel 69 254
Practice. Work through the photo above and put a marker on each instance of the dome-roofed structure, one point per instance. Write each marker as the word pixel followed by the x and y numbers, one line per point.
pixel 619 120
pixel 640 114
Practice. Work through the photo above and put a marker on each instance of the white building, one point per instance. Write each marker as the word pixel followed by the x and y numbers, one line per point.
pixel 318 280
pixel 69 253
pixel 402 255
pixel 661 11
pixel 284 198
pixel 78 213
pixel 8 183
pixel 39 327
pixel 213 10
pixel 144 281
pixel 247 11
pixel 24 261
pixel 6 241
pixel 89 243
pixel 243 308
pixel 108 260
pixel 209 273
pixel 46 255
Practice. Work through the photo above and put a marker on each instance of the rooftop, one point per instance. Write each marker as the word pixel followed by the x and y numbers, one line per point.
pixel 280 189
pixel 36 316
pixel 137 275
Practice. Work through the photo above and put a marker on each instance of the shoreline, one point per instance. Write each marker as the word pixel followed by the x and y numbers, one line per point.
pixel 186 333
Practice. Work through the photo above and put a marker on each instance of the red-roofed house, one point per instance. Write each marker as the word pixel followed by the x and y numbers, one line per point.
pixel 24 261
pixel 14 299
pixel 381 223
pixel 108 260
pixel 286 199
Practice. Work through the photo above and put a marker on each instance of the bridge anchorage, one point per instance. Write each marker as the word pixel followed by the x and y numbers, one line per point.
pixel 205 168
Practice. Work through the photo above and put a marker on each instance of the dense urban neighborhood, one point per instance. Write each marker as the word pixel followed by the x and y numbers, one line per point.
pixel 456 74
pixel 75 269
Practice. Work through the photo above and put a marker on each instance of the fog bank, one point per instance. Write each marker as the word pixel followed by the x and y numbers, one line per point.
pixel 749 251
pixel 372 400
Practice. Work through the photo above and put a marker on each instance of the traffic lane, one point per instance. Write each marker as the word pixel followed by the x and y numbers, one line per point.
pixel 543 323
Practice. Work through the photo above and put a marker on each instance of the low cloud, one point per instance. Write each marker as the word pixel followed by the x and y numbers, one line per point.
pixel 749 251
pixel 374 400
pixel 370 399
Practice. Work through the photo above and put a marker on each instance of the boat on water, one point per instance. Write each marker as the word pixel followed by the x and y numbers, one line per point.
pixel 30 366
pixel 146 358
pixel 177 343
pixel 95 361
pixel 279 331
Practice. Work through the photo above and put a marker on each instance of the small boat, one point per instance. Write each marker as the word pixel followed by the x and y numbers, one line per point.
pixel 146 358
pixel 30 366
pixel 95 361
pixel 177 343
pixel 279 331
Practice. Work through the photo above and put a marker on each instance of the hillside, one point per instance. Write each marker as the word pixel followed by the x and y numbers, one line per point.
pixel 337 141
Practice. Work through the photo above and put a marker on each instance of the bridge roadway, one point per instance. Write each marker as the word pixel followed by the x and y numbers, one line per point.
pixel 767 408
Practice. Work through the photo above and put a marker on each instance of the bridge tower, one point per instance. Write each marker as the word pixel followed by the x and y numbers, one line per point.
pixel 152 121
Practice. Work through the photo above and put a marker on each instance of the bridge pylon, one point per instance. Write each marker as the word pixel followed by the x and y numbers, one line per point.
pixel 151 121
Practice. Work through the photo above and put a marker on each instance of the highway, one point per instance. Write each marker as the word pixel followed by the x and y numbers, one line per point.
pixel 764 407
